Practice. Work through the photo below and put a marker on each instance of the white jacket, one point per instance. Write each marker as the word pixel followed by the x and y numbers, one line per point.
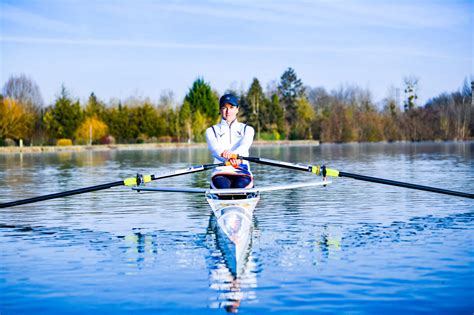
pixel 236 137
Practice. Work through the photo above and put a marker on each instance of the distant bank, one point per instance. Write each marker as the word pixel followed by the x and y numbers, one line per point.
pixel 143 146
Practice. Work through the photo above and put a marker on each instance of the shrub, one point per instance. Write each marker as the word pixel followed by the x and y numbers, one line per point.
pixel 9 142
pixel 63 142
pixel 109 139
pixel 270 136
pixel 166 139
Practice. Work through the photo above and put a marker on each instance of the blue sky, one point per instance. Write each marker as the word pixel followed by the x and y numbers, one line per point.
pixel 119 49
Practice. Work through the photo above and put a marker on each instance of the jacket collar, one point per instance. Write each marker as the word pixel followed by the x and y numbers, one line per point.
pixel 224 122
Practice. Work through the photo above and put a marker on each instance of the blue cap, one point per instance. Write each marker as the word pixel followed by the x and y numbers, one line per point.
pixel 228 99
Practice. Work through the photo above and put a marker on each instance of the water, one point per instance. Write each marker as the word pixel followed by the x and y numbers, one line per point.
pixel 352 247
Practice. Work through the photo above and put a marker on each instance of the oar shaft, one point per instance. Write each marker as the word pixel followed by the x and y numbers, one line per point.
pixel 127 182
pixel 60 194
pixel 406 185
pixel 321 170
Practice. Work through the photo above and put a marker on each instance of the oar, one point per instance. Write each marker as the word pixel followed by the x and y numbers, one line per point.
pixel 324 171
pixel 131 181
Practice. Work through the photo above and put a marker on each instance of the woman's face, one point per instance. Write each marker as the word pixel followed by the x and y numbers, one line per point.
pixel 229 112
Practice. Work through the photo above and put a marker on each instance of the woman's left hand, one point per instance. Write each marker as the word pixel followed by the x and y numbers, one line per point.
pixel 235 162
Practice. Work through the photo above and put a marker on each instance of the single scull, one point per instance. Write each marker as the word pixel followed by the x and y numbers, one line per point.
pixel 233 210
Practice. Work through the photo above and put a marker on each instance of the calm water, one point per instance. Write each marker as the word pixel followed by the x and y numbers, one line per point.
pixel 352 247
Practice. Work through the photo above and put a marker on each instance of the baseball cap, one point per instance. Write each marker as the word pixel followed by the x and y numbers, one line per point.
pixel 228 99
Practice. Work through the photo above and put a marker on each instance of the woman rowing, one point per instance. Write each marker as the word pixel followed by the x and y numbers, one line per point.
pixel 227 138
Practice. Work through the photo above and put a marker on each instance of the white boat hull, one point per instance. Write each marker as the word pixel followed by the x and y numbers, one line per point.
pixel 233 209
pixel 234 226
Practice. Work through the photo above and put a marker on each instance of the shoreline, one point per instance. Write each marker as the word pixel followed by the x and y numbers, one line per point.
pixel 141 146
pixel 160 146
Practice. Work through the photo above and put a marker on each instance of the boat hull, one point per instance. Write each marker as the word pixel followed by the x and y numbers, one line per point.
pixel 233 226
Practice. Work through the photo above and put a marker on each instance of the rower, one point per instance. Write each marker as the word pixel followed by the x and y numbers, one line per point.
pixel 227 138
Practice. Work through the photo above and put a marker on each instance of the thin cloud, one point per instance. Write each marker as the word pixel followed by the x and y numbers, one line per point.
pixel 329 13
pixel 339 49
pixel 326 16
pixel 402 15
pixel 19 17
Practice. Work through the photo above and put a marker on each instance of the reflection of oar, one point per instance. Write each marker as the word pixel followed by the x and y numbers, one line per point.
pixel 132 181
pixel 324 171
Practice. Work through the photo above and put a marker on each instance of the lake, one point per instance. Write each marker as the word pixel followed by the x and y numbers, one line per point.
pixel 350 247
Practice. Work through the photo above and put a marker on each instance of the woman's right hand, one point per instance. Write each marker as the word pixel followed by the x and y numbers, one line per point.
pixel 227 154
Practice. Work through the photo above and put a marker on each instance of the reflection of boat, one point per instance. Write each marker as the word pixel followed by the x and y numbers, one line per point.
pixel 233 209
pixel 232 269
pixel 233 215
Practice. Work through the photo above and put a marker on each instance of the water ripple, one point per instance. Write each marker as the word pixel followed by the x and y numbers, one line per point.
pixel 350 247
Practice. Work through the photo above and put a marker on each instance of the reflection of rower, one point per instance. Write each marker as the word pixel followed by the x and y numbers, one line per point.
pixel 233 281
pixel 234 301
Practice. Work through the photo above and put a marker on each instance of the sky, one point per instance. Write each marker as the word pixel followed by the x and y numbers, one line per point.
pixel 142 49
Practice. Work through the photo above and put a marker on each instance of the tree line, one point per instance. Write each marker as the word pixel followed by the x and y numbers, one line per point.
pixel 286 109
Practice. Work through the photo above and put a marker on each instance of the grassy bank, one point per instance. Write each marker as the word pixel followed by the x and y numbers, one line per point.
pixel 144 146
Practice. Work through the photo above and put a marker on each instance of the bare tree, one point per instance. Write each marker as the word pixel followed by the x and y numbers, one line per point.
pixel 390 103
pixel 411 90
pixel 167 99
pixel 25 91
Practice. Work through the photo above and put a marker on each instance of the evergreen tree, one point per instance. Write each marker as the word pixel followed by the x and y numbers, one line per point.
pixel 305 117
pixel 200 123
pixel 172 124
pixel 64 117
pixel 118 120
pixel 165 121
pixel 255 99
pixel 201 98
pixel 277 115
pixel 186 121
pixel 94 107
pixel 290 90
pixel 245 108
pixel 146 118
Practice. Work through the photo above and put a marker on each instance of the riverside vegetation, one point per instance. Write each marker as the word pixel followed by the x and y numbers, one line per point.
pixel 286 109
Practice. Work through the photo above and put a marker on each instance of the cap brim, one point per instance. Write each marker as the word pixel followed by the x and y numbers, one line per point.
pixel 235 105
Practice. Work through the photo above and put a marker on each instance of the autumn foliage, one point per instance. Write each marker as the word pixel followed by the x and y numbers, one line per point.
pixel 91 130
pixel 16 121
pixel 286 110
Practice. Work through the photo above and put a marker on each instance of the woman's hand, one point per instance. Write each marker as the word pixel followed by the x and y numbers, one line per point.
pixel 235 162
pixel 227 154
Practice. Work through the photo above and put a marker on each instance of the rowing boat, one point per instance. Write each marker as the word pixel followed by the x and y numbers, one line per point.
pixel 233 210
pixel 233 217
